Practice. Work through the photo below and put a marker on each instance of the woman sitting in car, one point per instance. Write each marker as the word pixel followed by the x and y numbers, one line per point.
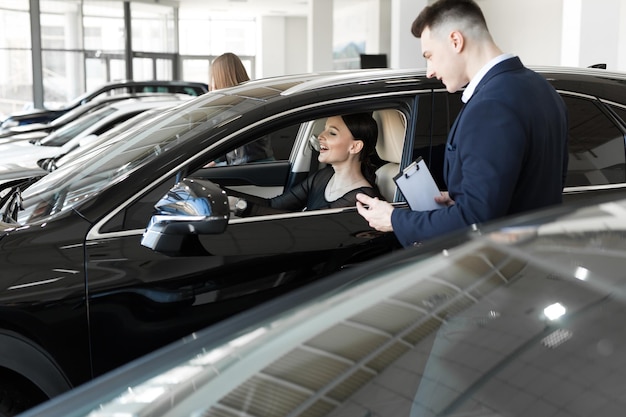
pixel 347 145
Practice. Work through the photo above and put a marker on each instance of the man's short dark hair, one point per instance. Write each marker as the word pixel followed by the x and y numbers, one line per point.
pixel 442 10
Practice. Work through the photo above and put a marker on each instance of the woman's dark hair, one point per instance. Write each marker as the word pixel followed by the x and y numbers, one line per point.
pixel 364 128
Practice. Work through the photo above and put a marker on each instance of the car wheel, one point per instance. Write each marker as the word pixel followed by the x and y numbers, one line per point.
pixel 17 395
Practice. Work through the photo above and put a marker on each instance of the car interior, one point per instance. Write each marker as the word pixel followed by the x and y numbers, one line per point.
pixel 298 145
pixel 392 131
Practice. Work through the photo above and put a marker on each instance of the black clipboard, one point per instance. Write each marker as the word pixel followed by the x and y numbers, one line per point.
pixel 418 186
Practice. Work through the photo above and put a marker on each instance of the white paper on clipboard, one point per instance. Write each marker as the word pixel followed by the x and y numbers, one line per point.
pixel 418 186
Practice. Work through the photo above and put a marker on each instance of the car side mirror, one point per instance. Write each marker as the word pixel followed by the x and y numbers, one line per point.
pixel 192 207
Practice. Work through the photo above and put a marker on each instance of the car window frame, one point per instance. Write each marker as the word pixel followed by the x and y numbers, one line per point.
pixel 402 101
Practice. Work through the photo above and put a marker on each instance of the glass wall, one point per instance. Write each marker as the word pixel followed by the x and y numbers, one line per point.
pixel 61 51
pixel 153 28
pixel 84 45
pixel 203 39
pixel 16 81
pixel 154 34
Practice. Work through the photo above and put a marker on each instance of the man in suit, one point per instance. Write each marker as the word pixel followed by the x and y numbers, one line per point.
pixel 507 150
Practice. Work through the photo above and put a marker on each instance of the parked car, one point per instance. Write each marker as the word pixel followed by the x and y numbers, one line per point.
pixel 109 89
pixel 20 154
pixel 14 174
pixel 521 317
pixel 40 130
pixel 82 295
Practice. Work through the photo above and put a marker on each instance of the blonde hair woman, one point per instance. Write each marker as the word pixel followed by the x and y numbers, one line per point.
pixel 227 70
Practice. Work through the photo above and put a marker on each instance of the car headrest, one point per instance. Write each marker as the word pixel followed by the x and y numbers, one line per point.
pixel 391 132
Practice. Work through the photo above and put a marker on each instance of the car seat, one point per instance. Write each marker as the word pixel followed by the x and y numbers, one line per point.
pixel 391 133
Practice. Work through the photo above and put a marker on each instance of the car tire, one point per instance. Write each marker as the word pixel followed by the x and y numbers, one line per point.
pixel 17 396
pixel 28 375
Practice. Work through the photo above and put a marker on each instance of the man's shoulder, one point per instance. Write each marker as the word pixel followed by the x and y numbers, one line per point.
pixel 512 76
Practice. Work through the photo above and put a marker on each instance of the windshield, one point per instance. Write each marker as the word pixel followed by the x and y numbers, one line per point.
pixel 116 159
pixel 72 115
pixel 63 135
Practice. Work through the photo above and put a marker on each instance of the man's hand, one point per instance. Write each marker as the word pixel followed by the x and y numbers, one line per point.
pixel 444 198
pixel 377 214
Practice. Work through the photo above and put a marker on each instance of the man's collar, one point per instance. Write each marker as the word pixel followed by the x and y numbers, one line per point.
pixel 469 90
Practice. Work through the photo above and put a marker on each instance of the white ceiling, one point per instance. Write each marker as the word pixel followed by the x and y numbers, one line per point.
pixel 247 7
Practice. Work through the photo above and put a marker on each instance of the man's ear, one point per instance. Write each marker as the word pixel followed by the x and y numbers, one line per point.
pixel 356 146
pixel 457 40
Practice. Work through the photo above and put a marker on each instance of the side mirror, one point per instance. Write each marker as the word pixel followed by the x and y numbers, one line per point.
pixel 192 207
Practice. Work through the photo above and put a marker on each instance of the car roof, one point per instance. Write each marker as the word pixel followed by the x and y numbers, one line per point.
pixel 598 82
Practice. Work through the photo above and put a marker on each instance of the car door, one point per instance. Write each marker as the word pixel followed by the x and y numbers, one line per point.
pixel 140 299
pixel 597 157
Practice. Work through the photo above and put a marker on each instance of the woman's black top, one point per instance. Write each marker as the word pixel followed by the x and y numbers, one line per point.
pixel 310 195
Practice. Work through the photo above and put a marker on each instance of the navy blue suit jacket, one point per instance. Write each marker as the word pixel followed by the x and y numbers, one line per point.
pixel 506 153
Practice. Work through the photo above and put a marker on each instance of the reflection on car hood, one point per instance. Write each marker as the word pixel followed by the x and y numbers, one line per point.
pixel 13 171
pixel 5 228
pixel 463 317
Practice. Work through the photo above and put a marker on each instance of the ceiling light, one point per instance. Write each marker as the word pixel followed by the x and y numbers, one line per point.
pixel 581 273
pixel 554 311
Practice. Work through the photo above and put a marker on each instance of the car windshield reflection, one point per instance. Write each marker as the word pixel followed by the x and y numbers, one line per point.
pixel 64 188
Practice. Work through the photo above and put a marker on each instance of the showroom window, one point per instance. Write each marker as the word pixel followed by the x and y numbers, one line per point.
pixel 103 27
pixel 62 58
pixel 153 30
pixel 16 78
pixel 202 39
pixel 83 46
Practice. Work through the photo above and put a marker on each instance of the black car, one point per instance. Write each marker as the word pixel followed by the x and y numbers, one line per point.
pixel 521 317
pixel 81 294
pixel 109 89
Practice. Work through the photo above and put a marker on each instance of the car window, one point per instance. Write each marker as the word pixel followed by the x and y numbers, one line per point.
pixel 596 145
pixel 71 130
pixel 275 146
pixel 253 179
pixel 263 181
pixel 304 159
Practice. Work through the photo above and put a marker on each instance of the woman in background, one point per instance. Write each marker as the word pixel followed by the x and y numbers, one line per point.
pixel 227 70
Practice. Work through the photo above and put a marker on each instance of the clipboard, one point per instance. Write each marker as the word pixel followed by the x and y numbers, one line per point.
pixel 418 186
